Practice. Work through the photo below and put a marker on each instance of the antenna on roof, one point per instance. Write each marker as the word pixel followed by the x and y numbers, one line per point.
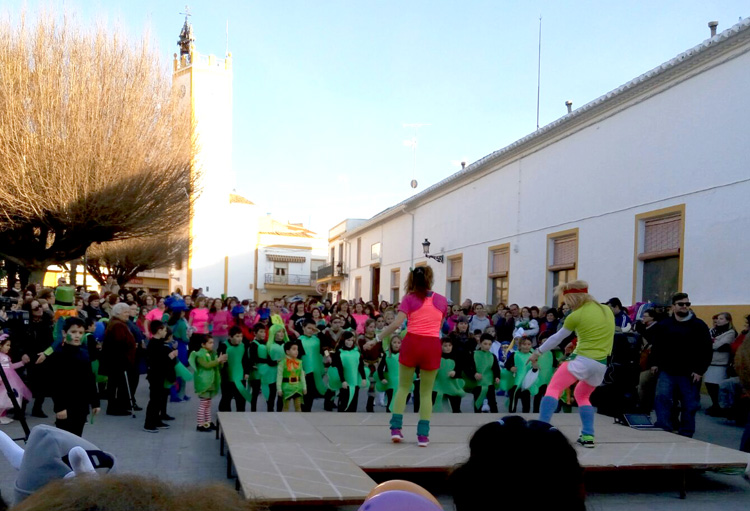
pixel 539 73
pixel 413 144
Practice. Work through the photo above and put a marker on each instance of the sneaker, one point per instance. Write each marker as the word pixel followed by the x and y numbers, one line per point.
pixel 396 436
pixel 213 426
pixel 5 420
pixel 137 408
pixel 586 441
pixel 150 430
pixel 204 429
pixel 162 425
pixel 485 406
pixel 423 441
pixel 167 418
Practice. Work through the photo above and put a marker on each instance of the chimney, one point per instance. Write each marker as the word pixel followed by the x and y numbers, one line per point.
pixel 463 165
pixel 712 25
pixel 569 104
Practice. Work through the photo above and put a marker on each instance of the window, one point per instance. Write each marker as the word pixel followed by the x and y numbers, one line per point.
pixel 658 248
pixel 395 285
pixel 375 251
pixel 333 255
pixel 562 262
pixel 280 271
pixel 455 269
pixel 341 253
pixel 359 253
pixel 498 274
pixel 358 288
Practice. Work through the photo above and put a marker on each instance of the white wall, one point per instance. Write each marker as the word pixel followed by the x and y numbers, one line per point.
pixel 687 145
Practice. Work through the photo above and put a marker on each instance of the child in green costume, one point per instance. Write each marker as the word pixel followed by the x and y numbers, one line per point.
pixel 448 382
pixel 207 380
pixel 517 364
pixel 234 373
pixel 547 363
pixel 486 375
pixel 277 337
pixel 290 377
pixel 347 373
pixel 388 372
pixel 312 353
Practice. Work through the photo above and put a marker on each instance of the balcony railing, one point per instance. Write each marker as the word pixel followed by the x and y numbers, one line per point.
pixel 331 270
pixel 291 280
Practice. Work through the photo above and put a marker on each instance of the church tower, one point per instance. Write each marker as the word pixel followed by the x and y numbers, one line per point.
pixel 206 82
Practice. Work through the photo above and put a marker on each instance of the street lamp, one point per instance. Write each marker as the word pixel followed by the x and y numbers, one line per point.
pixel 426 248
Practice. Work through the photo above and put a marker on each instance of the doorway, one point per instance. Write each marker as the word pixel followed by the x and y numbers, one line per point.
pixel 375 284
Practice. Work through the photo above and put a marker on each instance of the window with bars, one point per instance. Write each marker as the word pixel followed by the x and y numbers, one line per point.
pixel 659 256
pixel 395 285
pixel 455 269
pixel 359 252
pixel 358 288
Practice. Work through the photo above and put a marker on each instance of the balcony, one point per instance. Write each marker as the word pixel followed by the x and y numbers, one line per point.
pixel 291 280
pixel 332 271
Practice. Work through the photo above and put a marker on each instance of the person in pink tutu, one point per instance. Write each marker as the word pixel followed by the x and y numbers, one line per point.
pixel 19 389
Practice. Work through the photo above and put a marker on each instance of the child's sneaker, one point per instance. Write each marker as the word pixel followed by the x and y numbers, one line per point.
pixel 150 430
pixel 423 441
pixel 396 436
pixel 586 441
pixel 485 406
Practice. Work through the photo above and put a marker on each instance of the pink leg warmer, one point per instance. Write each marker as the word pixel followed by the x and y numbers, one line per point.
pixel 582 393
pixel 561 380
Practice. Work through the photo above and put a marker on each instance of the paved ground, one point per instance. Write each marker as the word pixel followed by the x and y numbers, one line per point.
pixel 182 454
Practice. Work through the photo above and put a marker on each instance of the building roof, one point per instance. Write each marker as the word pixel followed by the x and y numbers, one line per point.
pixel 235 198
pixel 719 44
pixel 268 225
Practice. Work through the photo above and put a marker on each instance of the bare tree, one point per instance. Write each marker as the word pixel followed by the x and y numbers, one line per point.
pixel 94 143
pixel 124 259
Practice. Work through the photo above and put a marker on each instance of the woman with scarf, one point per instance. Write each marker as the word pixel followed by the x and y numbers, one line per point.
pixel 723 335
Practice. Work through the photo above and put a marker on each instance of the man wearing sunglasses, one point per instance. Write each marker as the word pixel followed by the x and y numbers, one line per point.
pixel 681 353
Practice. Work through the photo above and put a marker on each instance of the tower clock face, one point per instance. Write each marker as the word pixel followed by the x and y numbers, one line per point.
pixel 183 91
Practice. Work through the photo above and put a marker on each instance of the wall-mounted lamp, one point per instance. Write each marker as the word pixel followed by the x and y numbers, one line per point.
pixel 426 248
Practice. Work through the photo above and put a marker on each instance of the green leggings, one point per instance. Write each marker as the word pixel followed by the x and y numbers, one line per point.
pixel 405 381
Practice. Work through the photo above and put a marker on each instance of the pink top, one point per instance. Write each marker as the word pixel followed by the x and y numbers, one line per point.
pixel 424 317
pixel 153 315
pixel 221 323
pixel 199 319
pixel 360 319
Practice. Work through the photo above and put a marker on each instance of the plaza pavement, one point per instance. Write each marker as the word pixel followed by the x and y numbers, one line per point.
pixel 184 455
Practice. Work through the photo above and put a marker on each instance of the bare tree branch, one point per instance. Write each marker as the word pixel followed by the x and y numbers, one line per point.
pixel 124 259
pixel 95 145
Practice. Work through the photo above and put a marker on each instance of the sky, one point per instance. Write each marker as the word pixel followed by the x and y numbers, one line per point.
pixel 323 88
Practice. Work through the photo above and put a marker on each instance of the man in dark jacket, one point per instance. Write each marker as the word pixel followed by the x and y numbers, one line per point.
pixel 681 353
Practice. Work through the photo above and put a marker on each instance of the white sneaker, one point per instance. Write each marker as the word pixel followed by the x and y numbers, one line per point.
pixel 380 401
pixel 5 420
pixel 485 406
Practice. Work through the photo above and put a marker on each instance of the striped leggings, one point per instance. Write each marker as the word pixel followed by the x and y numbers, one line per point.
pixel 204 411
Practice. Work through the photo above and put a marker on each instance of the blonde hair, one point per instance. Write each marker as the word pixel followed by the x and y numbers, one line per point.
pixel 574 300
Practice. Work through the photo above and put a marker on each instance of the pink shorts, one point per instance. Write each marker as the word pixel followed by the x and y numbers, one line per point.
pixel 421 351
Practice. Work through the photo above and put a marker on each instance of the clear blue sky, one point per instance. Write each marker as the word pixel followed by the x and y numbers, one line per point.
pixel 322 88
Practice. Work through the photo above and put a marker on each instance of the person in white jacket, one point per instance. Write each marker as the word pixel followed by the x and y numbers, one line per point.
pixel 723 335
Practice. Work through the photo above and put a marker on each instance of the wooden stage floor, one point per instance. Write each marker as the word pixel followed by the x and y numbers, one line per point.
pixel 325 458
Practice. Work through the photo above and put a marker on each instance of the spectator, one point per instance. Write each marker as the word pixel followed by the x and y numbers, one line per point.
pixel 480 320
pixel 622 320
pixel 118 359
pixel 681 352
pixel 723 335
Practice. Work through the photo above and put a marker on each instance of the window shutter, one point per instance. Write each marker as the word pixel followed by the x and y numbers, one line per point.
pixel 395 278
pixel 456 265
pixel 565 253
pixel 662 234
pixel 500 262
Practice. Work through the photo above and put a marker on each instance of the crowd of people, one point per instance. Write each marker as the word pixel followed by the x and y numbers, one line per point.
pixel 292 353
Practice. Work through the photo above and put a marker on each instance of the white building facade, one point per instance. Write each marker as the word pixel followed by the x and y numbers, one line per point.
pixel 642 192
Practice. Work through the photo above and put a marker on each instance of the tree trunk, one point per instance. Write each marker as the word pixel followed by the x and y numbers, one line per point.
pixel 74 272
pixel 36 275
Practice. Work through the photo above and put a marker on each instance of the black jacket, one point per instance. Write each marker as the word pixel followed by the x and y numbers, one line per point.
pixel 75 385
pixel 681 348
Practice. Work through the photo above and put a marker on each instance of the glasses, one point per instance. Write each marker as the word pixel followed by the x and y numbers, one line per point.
pixel 36 308
pixel 682 304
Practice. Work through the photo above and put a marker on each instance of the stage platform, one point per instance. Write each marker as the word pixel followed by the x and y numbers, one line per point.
pixel 325 458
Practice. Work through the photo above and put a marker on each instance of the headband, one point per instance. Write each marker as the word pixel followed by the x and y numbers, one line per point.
pixel 571 291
